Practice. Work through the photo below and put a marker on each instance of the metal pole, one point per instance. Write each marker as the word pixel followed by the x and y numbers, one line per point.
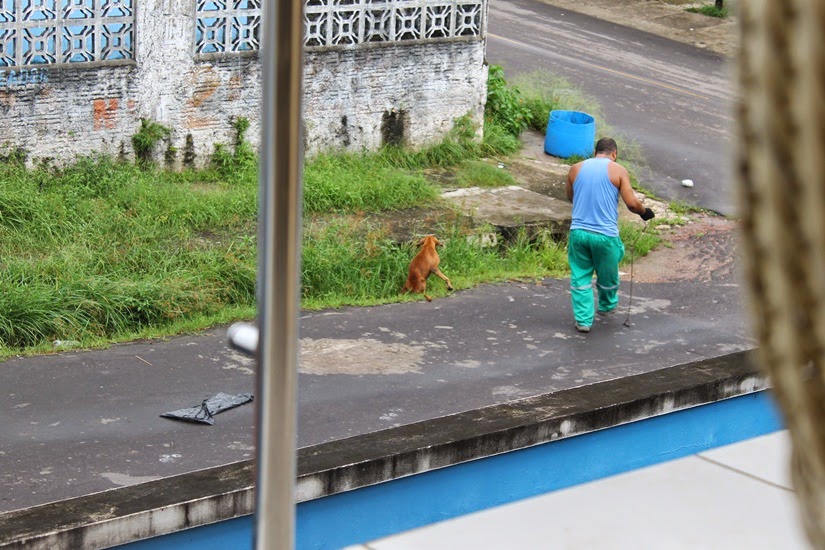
pixel 278 273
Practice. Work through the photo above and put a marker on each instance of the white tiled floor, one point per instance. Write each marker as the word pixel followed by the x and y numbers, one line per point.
pixel 734 497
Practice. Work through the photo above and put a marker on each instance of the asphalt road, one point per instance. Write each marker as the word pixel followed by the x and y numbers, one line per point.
pixel 673 99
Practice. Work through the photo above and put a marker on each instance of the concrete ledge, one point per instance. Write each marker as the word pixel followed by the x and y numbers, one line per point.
pixel 365 460
pixel 511 208
pixel 199 498
pixel 132 513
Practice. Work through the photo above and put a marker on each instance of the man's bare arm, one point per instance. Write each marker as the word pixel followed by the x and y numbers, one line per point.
pixel 627 194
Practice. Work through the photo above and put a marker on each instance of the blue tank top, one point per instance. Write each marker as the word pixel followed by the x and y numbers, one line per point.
pixel 595 199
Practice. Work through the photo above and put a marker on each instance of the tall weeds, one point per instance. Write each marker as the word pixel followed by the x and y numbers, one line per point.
pixel 101 250
pixel 355 262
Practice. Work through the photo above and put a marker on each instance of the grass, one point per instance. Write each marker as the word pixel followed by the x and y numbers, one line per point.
pixel 354 262
pixel 710 10
pixel 352 183
pixel 475 173
pixel 683 208
pixel 639 241
pixel 103 251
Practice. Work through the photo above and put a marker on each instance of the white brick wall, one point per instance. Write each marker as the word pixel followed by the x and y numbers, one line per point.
pixel 64 112
pixel 344 104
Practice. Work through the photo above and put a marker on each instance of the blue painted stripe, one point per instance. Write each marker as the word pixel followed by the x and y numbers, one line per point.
pixel 397 506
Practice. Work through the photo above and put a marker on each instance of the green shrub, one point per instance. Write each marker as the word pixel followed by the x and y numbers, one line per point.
pixel 710 11
pixel 505 106
pixel 638 242
pixel 145 140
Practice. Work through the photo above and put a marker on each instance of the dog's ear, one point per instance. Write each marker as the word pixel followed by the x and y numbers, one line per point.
pixel 420 242
pixel 437 242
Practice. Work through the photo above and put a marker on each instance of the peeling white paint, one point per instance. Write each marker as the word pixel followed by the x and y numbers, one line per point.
pixel 468 364
pixel 650 345
pixel 725 348
pixel 752 384
pixel 643 305
pixel 392 414
pixel 239 362
pixel 244 370
pixel 466 192
pixel 669 404
pixel 308 489
pixel 124 480
pixel 509 392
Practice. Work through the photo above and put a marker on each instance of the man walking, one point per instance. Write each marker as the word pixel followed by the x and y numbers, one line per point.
pixel 595 185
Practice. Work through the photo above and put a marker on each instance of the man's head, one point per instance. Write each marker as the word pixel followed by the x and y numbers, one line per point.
pixel 607 147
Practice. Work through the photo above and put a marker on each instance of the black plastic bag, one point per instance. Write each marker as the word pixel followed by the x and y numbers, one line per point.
pixel 205 412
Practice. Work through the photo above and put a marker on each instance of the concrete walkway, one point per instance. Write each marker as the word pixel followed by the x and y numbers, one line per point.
pixel 81 422
pixel 738 496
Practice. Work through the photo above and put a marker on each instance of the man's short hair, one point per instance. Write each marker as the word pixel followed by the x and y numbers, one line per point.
pixel 606 145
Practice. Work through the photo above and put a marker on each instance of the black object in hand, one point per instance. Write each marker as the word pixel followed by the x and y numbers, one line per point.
pixel 648 214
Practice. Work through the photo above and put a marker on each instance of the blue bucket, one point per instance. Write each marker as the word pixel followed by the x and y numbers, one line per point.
pixel 570 133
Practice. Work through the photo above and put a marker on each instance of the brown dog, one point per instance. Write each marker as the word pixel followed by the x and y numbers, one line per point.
pixel 424 263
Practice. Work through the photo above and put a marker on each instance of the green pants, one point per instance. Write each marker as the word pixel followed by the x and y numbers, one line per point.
pixel 588 252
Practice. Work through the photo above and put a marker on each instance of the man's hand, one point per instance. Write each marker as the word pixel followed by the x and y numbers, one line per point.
pixel 648 214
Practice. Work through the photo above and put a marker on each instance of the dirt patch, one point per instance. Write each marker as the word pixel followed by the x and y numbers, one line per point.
pixel 701 250
pixel 357 357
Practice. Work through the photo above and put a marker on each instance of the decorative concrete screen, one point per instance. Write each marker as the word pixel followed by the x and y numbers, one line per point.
pixel 233 26
pixel 340 23
pixel 77 76
pixel 63 32
pixel 227 26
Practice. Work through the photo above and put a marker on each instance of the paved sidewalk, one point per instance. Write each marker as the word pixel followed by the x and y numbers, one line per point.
pixel 81 422
pixel 738 496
